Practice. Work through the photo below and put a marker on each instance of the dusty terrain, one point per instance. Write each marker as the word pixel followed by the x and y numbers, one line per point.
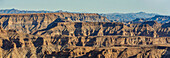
pixel 64 35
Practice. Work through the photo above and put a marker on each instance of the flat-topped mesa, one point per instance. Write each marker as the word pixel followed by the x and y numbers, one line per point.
pixel 77 17
pixel 30 22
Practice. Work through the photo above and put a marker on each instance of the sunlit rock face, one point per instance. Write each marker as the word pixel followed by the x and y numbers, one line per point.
pixel 31 22
pixel 68 35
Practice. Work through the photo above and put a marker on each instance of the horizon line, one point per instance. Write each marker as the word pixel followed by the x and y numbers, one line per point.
pixel 82 11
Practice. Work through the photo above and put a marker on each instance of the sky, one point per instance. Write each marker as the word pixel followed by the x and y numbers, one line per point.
pixel 91 6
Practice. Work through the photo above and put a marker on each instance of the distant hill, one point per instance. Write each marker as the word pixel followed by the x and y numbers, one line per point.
pixel 113 17
pixel 16 11
pixel 158 18
pixel 123 17
pixel 43 34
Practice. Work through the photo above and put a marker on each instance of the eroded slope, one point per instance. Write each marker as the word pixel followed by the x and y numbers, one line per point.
pixel 64 35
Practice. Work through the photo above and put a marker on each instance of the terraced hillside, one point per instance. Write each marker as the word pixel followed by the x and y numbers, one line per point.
pixel 83 35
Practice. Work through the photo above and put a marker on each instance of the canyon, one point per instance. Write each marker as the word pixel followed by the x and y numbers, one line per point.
pixel 84 35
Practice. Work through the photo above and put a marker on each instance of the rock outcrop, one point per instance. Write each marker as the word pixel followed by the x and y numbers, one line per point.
pixel 21 45
pixel 148 28
pixel 30 22
pixel 70 35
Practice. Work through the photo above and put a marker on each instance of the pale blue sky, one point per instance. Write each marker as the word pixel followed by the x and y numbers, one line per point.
pixel 93 6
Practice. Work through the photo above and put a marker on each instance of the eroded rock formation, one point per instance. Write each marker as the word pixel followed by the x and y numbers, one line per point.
pixel 30 22
pixel 64 35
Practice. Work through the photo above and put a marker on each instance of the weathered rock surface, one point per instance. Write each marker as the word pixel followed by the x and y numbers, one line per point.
pixel 20 45
pixel 149 28
pixel 30 22
pixel 64 35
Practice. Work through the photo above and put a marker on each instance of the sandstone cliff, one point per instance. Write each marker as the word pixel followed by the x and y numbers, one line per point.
pixel 68 35
pixel 21 45
pixel 149 28
pixel 30 22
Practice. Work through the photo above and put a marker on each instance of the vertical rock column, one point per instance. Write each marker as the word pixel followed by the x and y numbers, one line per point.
pixel 100 33
pixel 154 34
